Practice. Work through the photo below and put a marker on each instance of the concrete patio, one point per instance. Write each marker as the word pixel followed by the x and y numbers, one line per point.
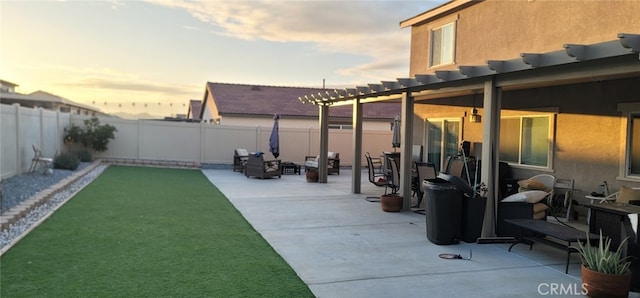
pixel 341 245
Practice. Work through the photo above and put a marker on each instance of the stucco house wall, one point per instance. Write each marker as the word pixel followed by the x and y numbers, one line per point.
pixel 500 30
pixel 589 131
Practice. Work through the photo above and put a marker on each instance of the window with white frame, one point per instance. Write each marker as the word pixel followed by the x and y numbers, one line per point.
pixel 443 44
pixel 527 140
pixel 340 126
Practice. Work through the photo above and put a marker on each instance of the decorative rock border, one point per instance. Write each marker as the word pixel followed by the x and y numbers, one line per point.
pixel 16 213
pixel 152 163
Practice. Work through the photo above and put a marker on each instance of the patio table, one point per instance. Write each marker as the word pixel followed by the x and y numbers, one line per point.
pixel 290 168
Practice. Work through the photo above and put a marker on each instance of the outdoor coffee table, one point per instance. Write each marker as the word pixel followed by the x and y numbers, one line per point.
pixel 290 168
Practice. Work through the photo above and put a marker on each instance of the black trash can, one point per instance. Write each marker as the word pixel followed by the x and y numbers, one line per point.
pixel 473 206
pixel 443 211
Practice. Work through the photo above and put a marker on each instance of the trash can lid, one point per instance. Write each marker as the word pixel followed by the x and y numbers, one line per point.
pixel 460 184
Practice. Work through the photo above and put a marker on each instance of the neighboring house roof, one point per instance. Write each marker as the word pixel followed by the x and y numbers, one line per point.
pixel 48 97
pixel 260 100
pixel 42 98
pixel 194 109
pixel 7 83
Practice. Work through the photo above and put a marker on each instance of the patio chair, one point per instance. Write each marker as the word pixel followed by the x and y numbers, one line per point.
pixel 627 195
pixel 38 160
pixel 562 201
pixel 377 163
pixel 376 178
pixel 463 167
pixel 333 163
pixel 394 176
pixel 240 157
pixel 424 170
pixel 260 168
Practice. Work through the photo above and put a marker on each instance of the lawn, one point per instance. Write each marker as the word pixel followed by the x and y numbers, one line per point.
pixel 147 232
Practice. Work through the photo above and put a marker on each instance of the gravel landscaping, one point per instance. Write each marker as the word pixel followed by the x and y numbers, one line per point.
pixel 21 187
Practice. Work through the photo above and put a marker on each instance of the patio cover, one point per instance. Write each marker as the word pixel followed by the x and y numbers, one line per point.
pixel 576 63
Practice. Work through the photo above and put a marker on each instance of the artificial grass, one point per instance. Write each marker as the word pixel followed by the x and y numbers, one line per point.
pixel 147 232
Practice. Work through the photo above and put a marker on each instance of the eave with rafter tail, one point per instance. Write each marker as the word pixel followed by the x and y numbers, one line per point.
pixel 575 63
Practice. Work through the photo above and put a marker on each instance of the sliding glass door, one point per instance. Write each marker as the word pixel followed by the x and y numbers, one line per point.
pixel 443 137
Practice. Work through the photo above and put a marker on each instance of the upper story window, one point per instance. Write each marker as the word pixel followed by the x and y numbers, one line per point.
pixel 443 44
pixel 527 140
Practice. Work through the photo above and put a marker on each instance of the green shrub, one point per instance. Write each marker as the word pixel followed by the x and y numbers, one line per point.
pixel 66 161
pixel 93 134
pixel 83 155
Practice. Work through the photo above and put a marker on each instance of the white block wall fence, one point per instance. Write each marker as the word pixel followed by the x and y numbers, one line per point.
pixel 165 141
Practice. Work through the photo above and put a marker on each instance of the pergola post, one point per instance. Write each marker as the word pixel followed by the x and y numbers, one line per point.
pixel 356 180
pixel 406 142
pixel 491 153
pixel 324 143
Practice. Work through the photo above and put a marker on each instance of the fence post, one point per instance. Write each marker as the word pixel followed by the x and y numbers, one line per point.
pixel 139 138
pixel 58 145
pixel 41 130
pixel 309 132
pixel 203 143
pixel 257 138
pixel 18 140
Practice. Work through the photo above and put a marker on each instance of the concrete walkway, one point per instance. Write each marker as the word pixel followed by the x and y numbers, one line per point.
pixel 341 245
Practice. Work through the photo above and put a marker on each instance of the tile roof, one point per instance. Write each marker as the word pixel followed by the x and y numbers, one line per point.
pixel 44 96
pixel 194 109
pixel 244 99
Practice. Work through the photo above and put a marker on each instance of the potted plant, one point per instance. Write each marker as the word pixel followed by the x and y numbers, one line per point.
pixel 391 202
pixel 605 273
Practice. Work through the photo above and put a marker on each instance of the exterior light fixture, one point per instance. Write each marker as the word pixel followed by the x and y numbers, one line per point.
pixel 475 117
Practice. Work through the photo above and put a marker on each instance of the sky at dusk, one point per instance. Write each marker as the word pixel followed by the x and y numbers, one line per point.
pixel 154 56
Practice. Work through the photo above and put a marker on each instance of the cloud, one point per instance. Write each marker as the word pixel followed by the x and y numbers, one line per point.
pixel 190 27
pixel 107 79
pixel 369 28
pixel 136 86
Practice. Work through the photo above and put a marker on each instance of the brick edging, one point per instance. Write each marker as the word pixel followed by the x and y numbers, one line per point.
pixel 152 163
pixel 16 213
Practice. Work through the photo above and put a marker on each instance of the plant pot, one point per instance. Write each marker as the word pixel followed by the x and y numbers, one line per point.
pixel 391 203
pixel 605 285
pixel 312 176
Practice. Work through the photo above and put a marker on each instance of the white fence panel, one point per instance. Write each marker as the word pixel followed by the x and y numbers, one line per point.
pixel 166 141
pixel 20 129
pixel 9 158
